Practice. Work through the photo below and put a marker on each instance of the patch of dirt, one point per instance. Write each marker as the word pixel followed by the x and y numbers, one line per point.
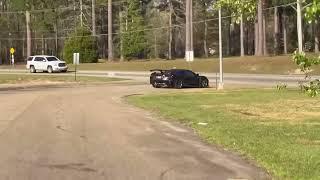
pixel 288 110
pixel 206 106
pixel 308 142
pixel 253 68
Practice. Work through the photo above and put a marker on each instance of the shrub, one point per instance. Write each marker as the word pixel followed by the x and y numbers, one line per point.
pixel 81 42
pixel 312 88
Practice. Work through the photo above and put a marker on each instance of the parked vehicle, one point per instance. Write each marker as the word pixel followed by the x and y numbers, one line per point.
pixel 44 63
pixel 177 78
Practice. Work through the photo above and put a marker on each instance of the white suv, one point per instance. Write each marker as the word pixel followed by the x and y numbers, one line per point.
pixel 48 64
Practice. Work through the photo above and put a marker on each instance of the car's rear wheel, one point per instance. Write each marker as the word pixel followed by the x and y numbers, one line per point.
pixel 155 85
pixel 178 84
pixel 204 83
pixel 49 69
pixel 33 69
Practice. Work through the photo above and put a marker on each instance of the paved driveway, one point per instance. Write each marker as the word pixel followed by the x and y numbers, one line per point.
pixel 89 133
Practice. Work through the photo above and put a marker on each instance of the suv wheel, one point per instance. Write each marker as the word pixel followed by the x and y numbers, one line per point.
pixel 49 69
pixel 32 69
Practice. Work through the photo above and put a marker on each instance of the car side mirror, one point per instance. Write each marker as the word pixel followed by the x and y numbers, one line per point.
pixel 44 60
pixel 198 75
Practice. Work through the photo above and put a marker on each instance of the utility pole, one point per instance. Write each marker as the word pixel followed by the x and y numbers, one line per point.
pixel 189 32
pixel 221 83
pixel 110 38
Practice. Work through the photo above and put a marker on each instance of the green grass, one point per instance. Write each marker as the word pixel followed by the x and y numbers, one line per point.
pixel 250 64
pixel 16 79
pixel 261 65
pixel 279 130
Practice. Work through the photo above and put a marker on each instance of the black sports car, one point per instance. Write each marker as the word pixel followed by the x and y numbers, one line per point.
pixel 177 78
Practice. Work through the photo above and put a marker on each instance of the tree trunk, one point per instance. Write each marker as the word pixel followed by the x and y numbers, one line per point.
pixel 42 44
pixel 170 31
pixel 155 47
pixel 188 47
pixel 81 13
pixel 284 33
pixel 93 15
pixel 46 47
pixel 191 30
pixel 23 47
pixel 102 43
pixel 1 53
pixel 260 29
pixel 316 38
pixel 110 37
pixel 265 47
pixel 121 31
pixel 241 37
pixel 299 26
pixel 256 38
pixel 205 41
pixel 28 34
pixel 276 31
pixel 56 41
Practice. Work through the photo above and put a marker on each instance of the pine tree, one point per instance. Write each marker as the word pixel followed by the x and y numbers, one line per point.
pixel 133 35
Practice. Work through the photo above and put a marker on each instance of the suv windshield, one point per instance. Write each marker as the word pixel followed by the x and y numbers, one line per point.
pixel 52 59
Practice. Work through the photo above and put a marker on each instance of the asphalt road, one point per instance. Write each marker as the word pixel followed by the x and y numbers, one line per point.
pixel 90 133
pixel 267 80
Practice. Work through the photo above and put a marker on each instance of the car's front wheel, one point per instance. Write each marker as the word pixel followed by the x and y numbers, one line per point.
pixel 33 69
pixel 49 69
pixel 204 83
pixel 178 84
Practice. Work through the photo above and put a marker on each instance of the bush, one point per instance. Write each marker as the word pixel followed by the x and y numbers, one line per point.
pixel 81 42
pixel 312 88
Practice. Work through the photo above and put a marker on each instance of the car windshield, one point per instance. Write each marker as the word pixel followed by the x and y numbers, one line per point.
pixel 52 59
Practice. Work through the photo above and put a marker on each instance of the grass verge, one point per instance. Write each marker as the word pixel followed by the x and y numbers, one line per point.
pixel 249 64
pixel 279 130
pixel 17 79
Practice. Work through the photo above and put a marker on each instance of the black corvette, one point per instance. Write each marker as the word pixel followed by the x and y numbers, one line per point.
pixel 177 78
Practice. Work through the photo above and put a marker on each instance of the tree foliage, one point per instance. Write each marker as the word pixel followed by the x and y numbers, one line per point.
pixel 305 63
pixel 312 13
pixel 238 8
pixel 133 35
pixel 81 42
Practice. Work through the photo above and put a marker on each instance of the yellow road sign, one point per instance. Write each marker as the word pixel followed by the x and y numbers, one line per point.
pixel 12 51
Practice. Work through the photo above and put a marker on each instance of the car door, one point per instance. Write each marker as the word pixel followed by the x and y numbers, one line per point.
pixel 190 79
pixel 39 63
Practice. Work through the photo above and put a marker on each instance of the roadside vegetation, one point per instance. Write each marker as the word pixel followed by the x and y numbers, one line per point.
pixel 277 129
pixel 248 65
pixel 20 79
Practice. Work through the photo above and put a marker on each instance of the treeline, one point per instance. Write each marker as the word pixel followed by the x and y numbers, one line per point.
pixel 144 29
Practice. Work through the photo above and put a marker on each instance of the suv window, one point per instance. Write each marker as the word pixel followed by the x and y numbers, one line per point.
pixel 30 59
pixel 39 59
pixel 52 58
